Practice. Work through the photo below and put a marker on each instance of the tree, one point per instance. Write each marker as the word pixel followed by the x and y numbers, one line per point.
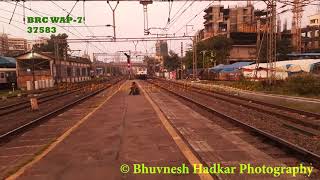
pixel 63 44
pixel 152 64
pixel 187 59
pixel 284 47
pixel 172 61
pixel 219 45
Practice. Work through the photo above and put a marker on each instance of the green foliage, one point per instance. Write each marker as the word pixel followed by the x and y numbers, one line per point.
pixel 304 84
pixel 152 64
pixel 188 59
pixel 284 47
pixel 50 46
pixel 219 45
pixel 172 61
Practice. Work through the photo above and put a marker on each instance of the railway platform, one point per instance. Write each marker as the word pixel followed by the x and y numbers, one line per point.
pixel 152 129
pixel 124 130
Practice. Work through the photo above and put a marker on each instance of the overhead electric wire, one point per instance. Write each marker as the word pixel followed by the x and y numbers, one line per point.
pixel 16 25
pixel 171 24
pixel 13 25
pixel 39 13
pixel 170 8
pixel 194 17
pixel 209 6
pixel 175 14
pixel 73 7
pixel 179 9
pixel 90 31
pixel 14 10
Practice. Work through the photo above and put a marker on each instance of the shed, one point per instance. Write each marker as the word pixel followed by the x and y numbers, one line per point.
pixel 33 66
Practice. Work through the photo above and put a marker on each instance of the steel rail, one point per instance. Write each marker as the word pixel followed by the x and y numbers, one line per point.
pixel 25 104
pixel 8 135
pixel 312 157
pixel 306 113
pixel 45 97
pixel 250 106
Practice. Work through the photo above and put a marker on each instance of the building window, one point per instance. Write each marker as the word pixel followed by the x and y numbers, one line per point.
pixel 69 71
pixel 314 21
pixel 2 75
pixel 78 72
pixel 84 73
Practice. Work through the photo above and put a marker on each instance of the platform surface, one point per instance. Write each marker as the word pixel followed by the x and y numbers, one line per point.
pixel 126 130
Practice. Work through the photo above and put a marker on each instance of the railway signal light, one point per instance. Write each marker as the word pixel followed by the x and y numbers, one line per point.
pixel 128 57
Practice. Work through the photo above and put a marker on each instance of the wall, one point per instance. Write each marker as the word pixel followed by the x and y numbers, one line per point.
pixel 242 52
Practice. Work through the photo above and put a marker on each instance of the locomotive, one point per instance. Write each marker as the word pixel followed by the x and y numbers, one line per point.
pixel 141 73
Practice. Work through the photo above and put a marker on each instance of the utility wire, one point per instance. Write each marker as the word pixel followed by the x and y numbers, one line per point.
pixel 13 25
pixel 171 24
pixel 69 13
pixel 194 16
pixel 73 7
pixel 39 13
pixel 179 9
pixel 14 10
pixel 170 8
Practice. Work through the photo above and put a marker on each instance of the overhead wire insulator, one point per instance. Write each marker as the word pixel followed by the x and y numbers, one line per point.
pixel 145 4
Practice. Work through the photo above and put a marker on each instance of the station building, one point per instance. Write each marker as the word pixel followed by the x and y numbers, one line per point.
pixel 37 67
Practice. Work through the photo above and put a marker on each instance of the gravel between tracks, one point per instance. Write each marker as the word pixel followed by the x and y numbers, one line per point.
pixel 260 120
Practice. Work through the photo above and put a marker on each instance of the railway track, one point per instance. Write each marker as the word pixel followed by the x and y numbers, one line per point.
pixel 27 124
pixel 50 95
pixel 267 138
pixel 24 98
pixel 298 120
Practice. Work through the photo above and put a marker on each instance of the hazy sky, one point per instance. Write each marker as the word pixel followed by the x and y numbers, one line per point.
pixel 129 20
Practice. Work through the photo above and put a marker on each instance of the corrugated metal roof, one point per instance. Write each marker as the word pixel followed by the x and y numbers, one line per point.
pixel 29 55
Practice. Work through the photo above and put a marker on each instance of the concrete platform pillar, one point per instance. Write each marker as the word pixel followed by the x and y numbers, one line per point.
pixel 36 85
pixel 44 86
pixel 29 86
pixel 51 83
pixel 40 84
pixel 47 83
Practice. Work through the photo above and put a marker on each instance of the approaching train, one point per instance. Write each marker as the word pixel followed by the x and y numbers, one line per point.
pixel 7 77
pixel 141 73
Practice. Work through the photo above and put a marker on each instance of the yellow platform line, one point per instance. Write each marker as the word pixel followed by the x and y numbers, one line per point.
pixel 184 148
pixel 60 139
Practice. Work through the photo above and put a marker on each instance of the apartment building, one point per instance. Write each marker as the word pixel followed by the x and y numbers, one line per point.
pixel 161 50
pixel 39 41
pixel 3 44
pixel 223 21
pixel 311 34
pixel 16 46
pixel 241 24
